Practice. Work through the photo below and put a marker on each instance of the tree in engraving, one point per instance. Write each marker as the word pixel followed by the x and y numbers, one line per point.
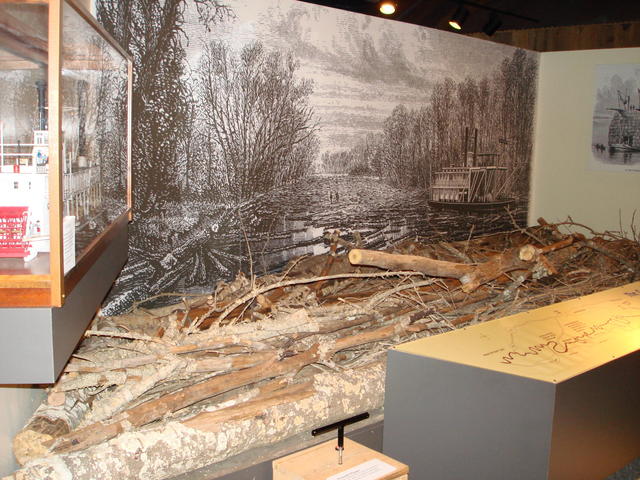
pixel 151 30
pixel 517 87
pixel 255 120
pixel 416 142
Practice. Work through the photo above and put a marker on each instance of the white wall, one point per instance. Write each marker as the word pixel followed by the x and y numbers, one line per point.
pixel 16 406
pixel 562 182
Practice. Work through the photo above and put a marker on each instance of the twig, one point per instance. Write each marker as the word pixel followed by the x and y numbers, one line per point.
pixel 630 266
pixel 194 326
pixel 301 281
pixel 457 253
pixel 129 336
pixel 594 233
pixel 376 299
pixel 293 264
pixel 473 227
pixel 525 231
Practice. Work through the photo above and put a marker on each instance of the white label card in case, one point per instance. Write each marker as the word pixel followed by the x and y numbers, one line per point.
pixel 371 470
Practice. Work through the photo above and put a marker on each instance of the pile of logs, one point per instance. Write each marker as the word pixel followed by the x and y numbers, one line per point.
pixel 156 393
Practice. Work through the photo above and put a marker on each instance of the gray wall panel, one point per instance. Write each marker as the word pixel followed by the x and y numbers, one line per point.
pixel 26 354
pixel 71 320
pixel 597 421
pixel 35 343
pixel 449 421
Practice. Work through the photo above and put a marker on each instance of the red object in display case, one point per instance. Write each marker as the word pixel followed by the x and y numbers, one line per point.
pixel 13 227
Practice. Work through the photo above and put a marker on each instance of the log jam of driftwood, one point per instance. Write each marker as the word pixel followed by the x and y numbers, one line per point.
pixel 156 409
pixel 159 392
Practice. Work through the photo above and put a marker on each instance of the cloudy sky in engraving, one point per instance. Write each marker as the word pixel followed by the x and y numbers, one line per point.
pixel 362 67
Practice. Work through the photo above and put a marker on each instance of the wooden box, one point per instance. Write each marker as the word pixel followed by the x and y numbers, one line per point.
pixel 551 393
pixel 321 463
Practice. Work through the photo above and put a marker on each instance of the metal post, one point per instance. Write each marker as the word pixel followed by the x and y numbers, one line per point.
pixel 42 102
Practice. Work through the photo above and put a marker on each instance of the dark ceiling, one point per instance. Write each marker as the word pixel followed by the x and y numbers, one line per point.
pixel 547 13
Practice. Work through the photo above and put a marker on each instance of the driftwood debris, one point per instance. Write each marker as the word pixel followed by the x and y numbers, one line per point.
pixel 471 276
pixel 156 393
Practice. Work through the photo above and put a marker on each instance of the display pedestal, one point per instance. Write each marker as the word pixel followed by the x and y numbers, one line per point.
pixel 321 463
pixel 547 394
pixel 35 343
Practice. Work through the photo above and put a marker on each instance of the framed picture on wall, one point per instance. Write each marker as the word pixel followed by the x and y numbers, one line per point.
pixel 615 141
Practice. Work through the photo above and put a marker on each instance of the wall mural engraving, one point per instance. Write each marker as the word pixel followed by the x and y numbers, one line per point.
pixel 260 127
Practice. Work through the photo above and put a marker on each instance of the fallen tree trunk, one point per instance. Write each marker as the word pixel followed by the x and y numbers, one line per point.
pixel 49 422
pixel 471 276
pixel 394 261
pixel 210 421
pixel 175 447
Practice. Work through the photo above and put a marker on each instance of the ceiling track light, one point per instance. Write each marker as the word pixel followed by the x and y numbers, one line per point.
pixel 459 17
pixel 495 20
pixel 387 8
pixel 493 24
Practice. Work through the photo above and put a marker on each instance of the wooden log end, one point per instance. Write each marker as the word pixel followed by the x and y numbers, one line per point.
pixel 355 256
pixel 29 445
pixel 470 283
pixel 527 253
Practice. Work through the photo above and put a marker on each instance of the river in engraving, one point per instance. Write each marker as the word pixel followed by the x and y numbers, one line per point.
pixel 190 249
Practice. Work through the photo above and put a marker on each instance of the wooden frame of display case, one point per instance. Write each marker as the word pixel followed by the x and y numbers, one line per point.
pixel 31 286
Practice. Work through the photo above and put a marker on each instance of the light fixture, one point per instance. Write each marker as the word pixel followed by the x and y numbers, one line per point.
pixel 459 17
pixel 387 8
pixel 492 24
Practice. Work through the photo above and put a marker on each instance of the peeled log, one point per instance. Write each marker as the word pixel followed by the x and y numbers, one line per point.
pixel 211 421
pixel 394 261
pixel 471 276
pixel 172 448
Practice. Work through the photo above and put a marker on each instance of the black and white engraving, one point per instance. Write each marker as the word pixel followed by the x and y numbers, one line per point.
pixel 616 118
pixel 262 126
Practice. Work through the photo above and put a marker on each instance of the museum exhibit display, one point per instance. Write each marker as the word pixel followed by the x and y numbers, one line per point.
pixel 311 187
pixel 547 393
pixel 64 171
pixel 244 375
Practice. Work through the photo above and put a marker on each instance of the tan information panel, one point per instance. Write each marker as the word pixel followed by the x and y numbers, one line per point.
pixel 551 343
pixel 321 463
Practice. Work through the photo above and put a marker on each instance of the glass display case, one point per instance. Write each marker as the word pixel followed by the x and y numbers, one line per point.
pixel 64 149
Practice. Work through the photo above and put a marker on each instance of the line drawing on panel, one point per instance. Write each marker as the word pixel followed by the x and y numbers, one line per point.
pixel 263 127
pixel 615 141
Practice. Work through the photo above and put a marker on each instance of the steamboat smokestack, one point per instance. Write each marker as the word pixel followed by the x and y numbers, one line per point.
pixel 42 110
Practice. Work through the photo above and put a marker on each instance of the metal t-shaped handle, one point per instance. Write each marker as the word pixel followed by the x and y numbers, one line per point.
pixel 340 426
